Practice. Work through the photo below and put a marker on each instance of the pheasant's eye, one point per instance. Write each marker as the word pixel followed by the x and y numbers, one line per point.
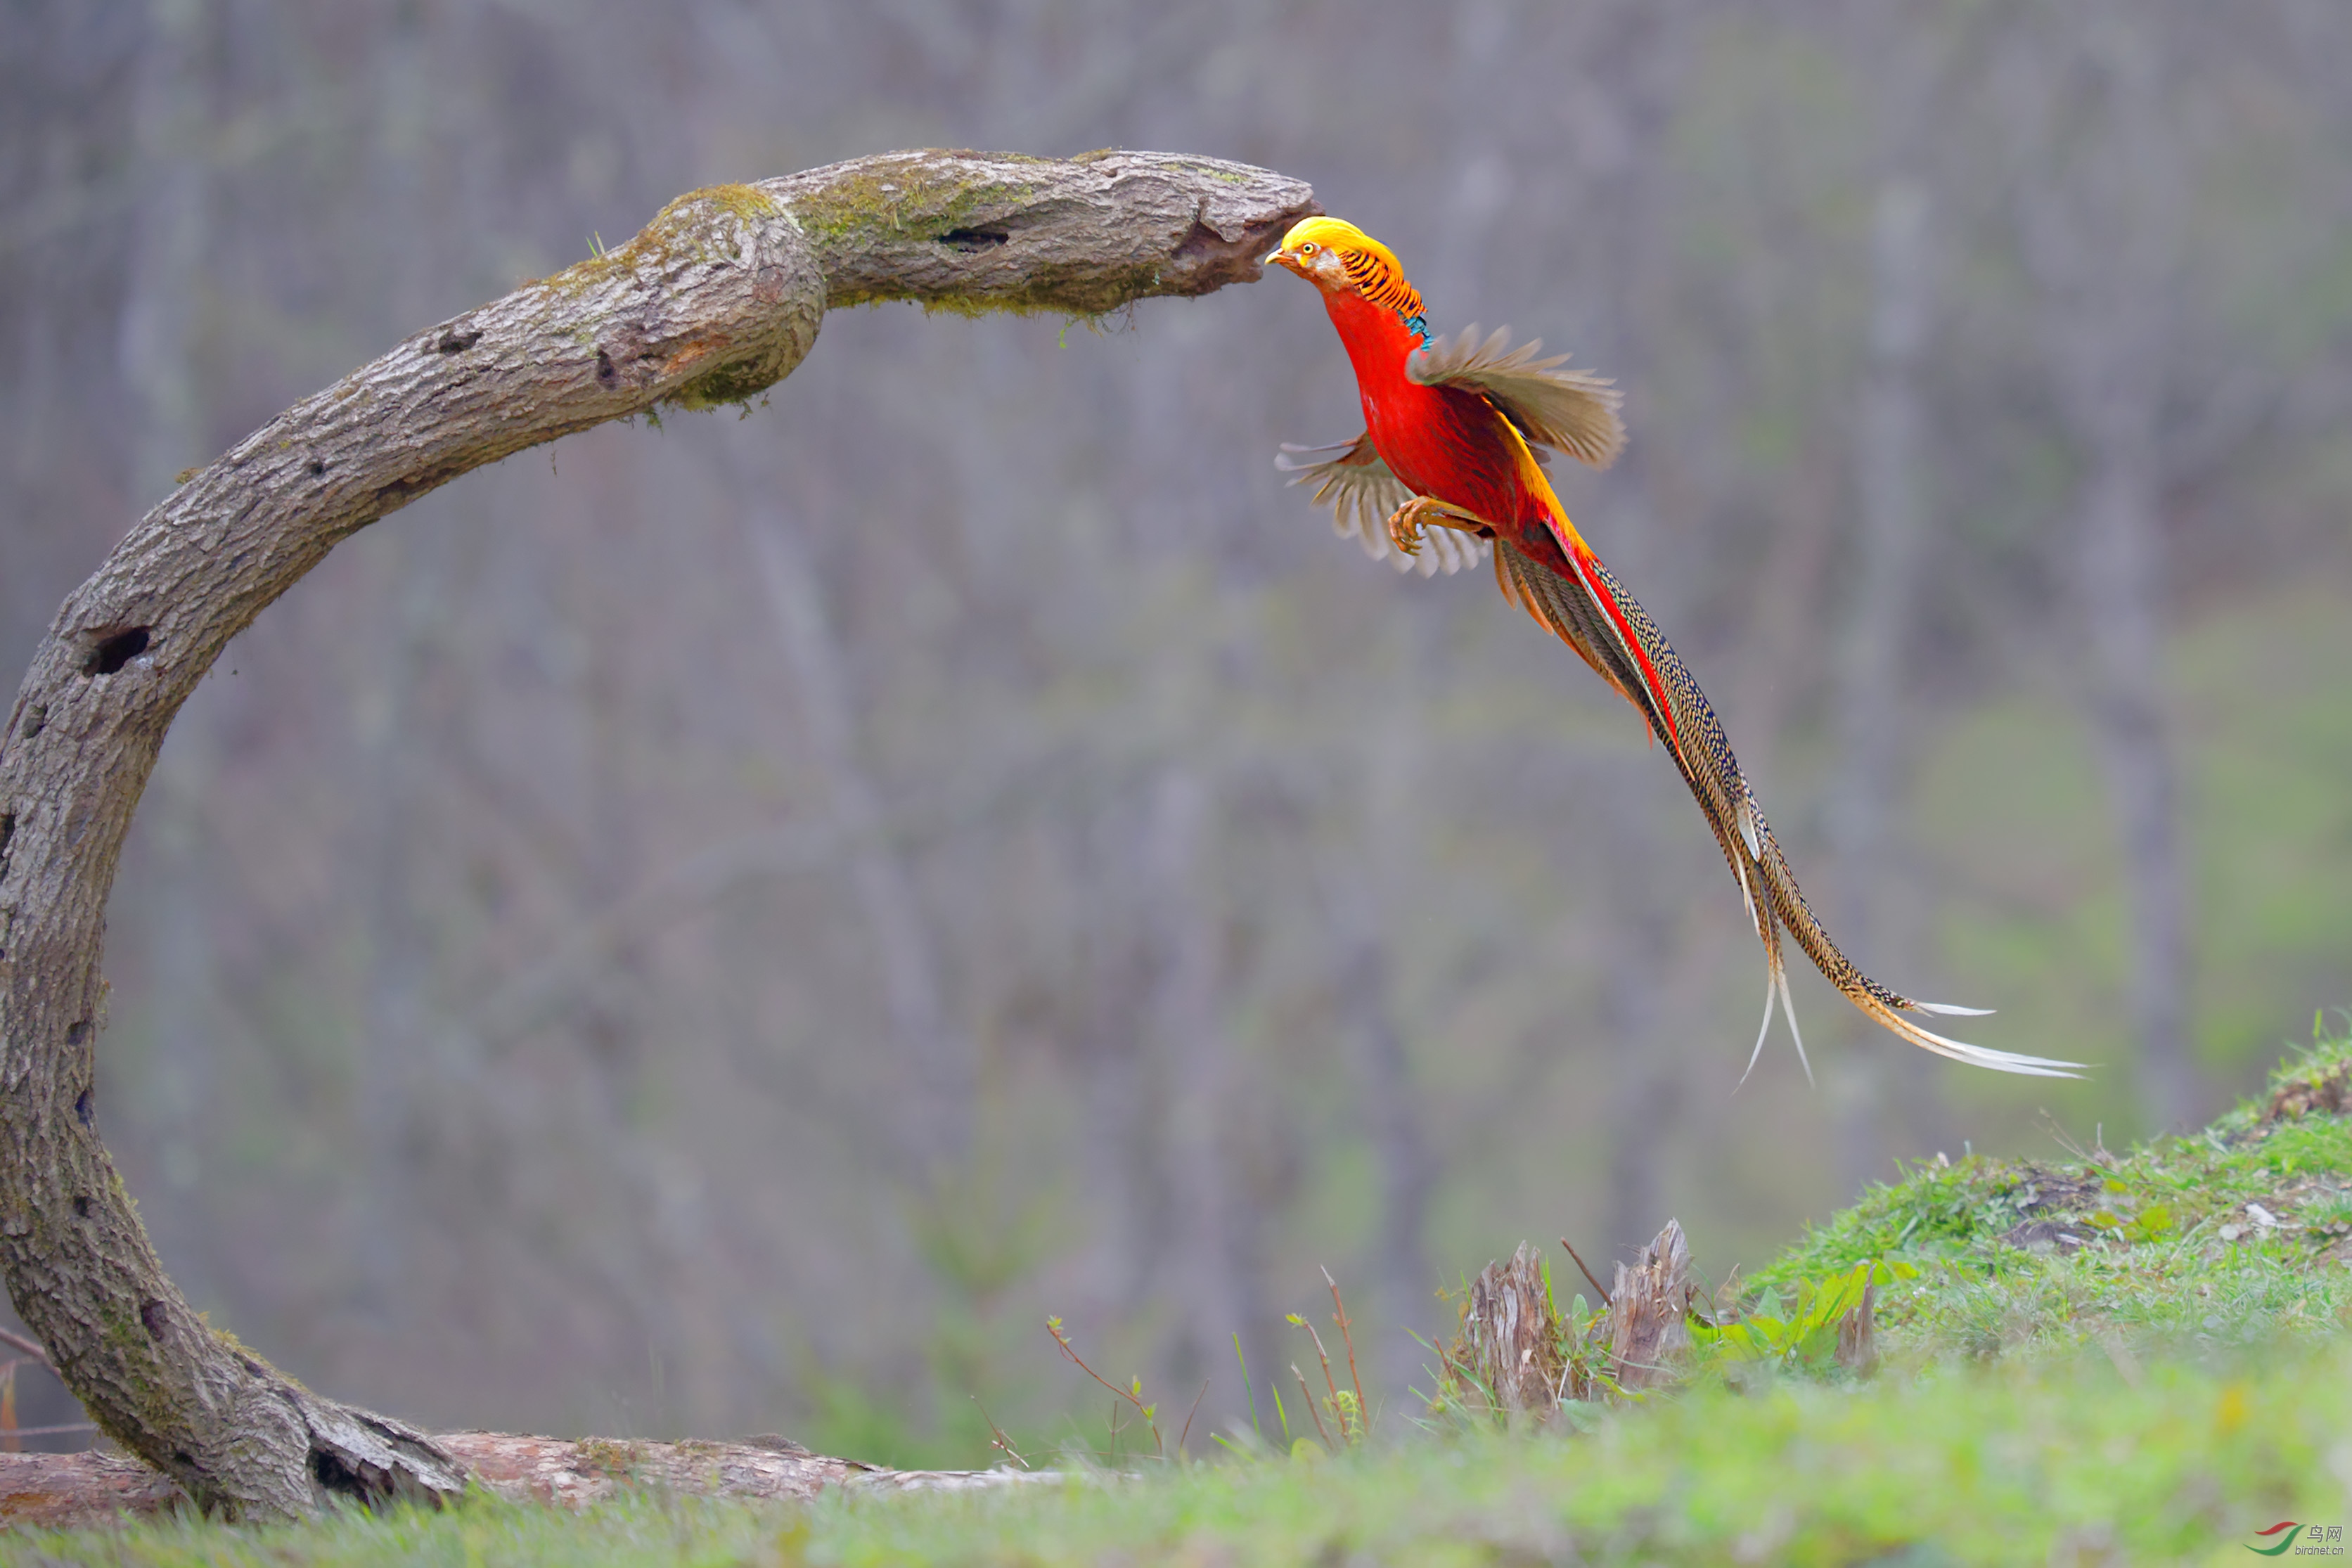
pixel 1308 250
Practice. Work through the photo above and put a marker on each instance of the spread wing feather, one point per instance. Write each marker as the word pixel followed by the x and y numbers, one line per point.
pixel 1594 616
pixel 1362 492
pixel 1567 409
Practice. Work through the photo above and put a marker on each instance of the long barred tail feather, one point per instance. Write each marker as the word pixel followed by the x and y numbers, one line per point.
pixel 1763 1030
pixel 1789 1010
pixel 1610 630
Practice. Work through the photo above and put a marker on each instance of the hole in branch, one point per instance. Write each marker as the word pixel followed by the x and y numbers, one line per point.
pixel 1199 240
pixel 81 1207
pixel 316 467
pixel 457 343
pixel 968 240
pixel 152 1314
pixel 116 651
pixel 337 1476
pixel 82 1111
pixel 604 367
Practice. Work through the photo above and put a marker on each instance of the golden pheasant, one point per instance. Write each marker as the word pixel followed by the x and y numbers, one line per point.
pixel 1453 429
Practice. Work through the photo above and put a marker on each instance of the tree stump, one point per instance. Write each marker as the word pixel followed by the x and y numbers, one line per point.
pixel 1647 1305
pixel 1510 1344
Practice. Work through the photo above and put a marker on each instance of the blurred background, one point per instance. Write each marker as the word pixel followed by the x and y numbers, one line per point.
pixel 723 928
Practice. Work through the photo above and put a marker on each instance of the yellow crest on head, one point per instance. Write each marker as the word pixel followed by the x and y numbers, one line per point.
pixel 1371 265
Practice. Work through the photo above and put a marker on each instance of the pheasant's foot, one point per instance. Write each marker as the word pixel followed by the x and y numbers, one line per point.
pixel 1406 523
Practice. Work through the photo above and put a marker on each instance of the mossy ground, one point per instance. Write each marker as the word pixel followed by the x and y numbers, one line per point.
pixel 2135 1356
pixel 2241 1233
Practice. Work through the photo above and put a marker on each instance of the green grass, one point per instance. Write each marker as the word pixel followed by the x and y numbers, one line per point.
pixel 2152 1393
pixel 2021 1464
pixel 2153 1248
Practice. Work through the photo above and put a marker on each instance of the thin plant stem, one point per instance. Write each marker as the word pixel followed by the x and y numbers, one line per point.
pixel 31 1347
pixel 1588 1274
pixel 1339 1316
pixel 1188 1417
pixel 1328 1382
pixel 1053 1327
pixel 1308 1395
pixel 1247 1388
pixel 997 1439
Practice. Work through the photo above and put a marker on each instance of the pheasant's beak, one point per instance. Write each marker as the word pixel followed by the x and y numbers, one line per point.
pixel 1288 259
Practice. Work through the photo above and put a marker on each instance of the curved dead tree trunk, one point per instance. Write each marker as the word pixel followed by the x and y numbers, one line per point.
pixel 718 298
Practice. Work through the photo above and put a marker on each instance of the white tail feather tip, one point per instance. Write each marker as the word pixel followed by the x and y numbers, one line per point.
pixel 1980 1055
pixel 1763 1029
pixel 1789 1011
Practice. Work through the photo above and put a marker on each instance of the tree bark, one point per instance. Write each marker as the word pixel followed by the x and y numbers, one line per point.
pixel 80 1491
pixel 719 296
pixel 1647 1305
pixel 1510 1340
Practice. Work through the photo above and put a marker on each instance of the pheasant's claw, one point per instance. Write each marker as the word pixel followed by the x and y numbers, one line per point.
pixel 1406 523
pixel 1405 529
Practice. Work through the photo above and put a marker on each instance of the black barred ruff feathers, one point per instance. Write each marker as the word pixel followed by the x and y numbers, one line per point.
pixel 1377 280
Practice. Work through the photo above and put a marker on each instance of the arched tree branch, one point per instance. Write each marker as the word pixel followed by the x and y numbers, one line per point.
pixel 719 297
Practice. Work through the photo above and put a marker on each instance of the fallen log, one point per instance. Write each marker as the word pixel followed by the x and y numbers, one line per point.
pixel 103 1487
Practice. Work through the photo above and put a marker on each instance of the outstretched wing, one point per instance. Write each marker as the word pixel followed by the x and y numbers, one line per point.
pixel 1569 409
pixel 1362 492
pixel 1589 611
